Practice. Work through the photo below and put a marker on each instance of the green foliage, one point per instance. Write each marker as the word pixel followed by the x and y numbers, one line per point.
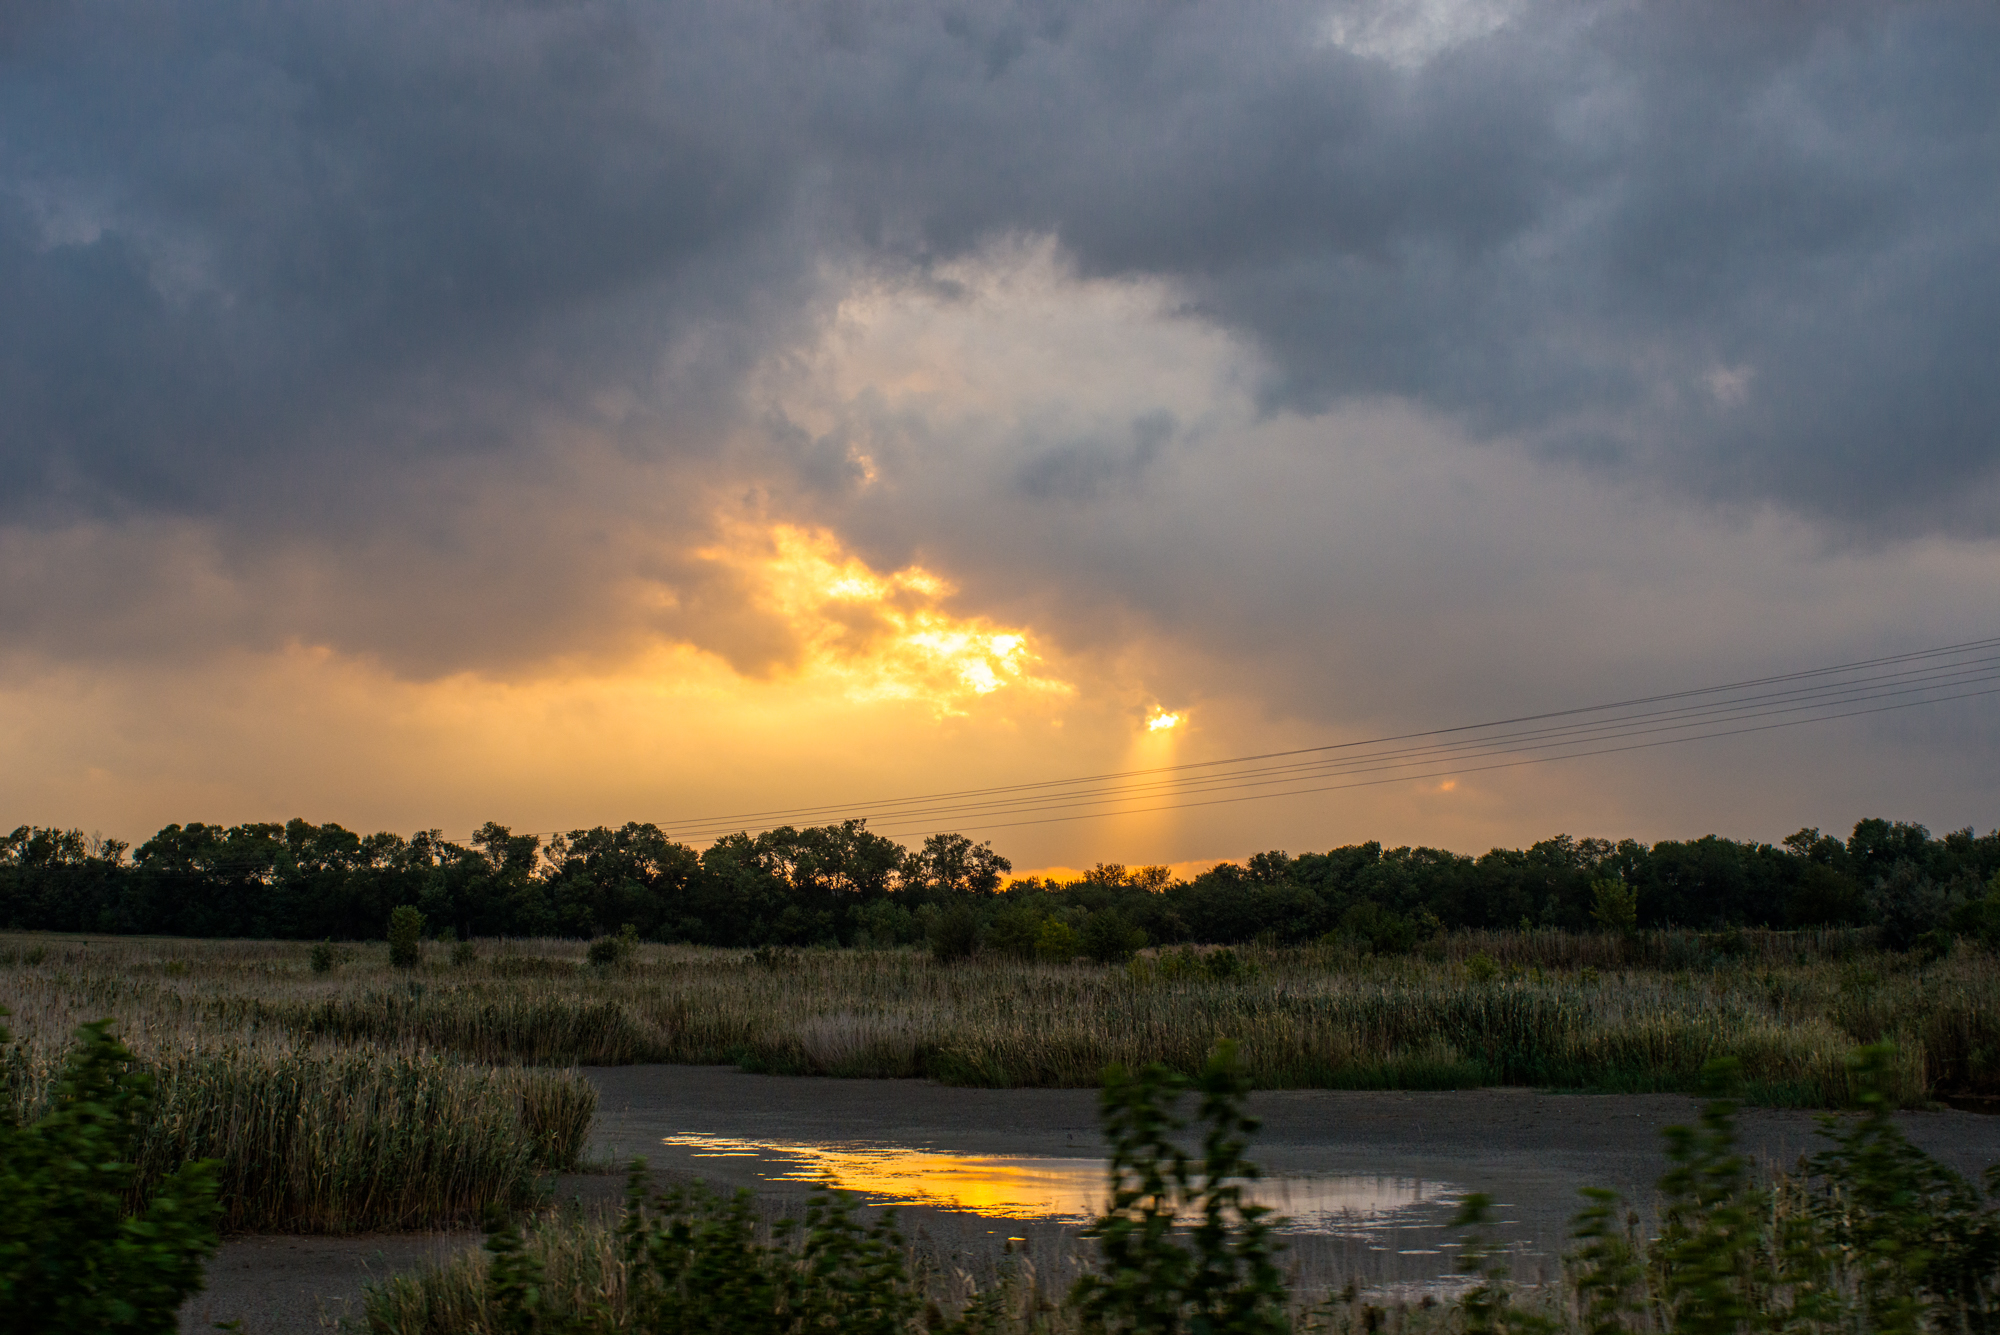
pixel 1614 907
pixel 1482 967
pixel 1011 932
pixel 406 934
pixel 1056 942
pixel 1219 1277
pixel 1488 1306
pixel 1920 1243
pixel 74 1253
pixel 464 953
pixel 323 958
pixel 1606 1269
pixel 604 952
pixel 1709 1266
pixel 954 934
pixel 1221 965
pixel 1368 926
pixel 693 1263
pixel 1875 1236
pixel 1107 938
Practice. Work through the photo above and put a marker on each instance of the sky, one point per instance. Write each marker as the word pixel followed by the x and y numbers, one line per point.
pixel 427 412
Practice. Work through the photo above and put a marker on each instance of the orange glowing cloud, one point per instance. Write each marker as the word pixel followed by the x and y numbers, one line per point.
pixel 874 635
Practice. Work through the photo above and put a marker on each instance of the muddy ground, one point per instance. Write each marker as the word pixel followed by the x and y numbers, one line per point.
pixel 1530 1151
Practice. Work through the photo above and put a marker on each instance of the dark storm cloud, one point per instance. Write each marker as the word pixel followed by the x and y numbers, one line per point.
pixel 233 234
pixel 261 261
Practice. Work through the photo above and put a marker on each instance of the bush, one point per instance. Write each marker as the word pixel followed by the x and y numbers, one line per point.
pixel 463 954
pixel 323 958
pixel 611 950
pixel 406 937
pixel 1614 907
pixel 1108 939
pixel 1055 942
pixel 73 1254
pixel 955 934
pixel 1013 932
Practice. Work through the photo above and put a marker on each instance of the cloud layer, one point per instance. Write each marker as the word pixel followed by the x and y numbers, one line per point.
pixel 1338 365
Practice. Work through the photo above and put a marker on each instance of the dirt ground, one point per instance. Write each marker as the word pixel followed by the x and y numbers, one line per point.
pixel 1530 1151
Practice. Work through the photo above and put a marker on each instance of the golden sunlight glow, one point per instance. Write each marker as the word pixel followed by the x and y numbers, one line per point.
pixel 880 636
pixel 1162 721
pixel 1008 1186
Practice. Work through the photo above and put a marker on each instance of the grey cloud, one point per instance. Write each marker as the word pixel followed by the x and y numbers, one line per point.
pixel 281 266
pixel 1087 470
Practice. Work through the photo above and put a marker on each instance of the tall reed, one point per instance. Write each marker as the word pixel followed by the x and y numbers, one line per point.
pixel 1538 1008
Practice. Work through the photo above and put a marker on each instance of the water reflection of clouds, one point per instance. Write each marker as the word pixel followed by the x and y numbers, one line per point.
pixel 1073 1189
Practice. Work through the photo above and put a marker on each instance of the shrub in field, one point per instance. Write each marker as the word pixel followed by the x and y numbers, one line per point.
pixel 75 1254
pixel 1614 907
pixel 1055 942
pixel 406 936
pixel 1012 932
pixel 1107 938
pixel 619 949
pixel 954 934
pixel 1218 1277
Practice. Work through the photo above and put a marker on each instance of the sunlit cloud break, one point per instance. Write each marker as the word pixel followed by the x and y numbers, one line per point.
pixel 879 636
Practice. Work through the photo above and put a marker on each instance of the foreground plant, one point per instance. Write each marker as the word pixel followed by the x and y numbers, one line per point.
pixel 1874 1235
pixel 74 1253
pixel 1159 1277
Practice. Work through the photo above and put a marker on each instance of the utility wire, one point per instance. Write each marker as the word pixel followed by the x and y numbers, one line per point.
pixel 1813 695
pixel 1782 700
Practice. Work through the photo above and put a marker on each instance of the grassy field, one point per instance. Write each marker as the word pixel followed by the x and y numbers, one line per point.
pixel 313 1135
pixel 1553 1010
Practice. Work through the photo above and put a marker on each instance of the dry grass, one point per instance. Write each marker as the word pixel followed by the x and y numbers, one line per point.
pixel 312 1135
pixel 1557 1010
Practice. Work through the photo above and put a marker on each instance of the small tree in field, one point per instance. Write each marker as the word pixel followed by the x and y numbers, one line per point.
pixel 406 934
pixel 1614 907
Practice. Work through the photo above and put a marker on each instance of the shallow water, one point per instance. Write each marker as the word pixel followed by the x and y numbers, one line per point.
pixel 1065 1189
pixel 1390 1234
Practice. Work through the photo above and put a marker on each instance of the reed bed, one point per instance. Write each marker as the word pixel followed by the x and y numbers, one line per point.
pixel 311 1135
pixel 1546 1009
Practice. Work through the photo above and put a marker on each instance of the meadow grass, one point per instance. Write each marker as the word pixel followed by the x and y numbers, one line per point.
pixel 1552 1010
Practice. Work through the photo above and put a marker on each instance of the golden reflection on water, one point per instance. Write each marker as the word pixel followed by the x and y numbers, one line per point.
pixel 1003 1186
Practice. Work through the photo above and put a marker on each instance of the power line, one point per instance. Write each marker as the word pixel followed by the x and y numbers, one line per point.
pixel 1790 699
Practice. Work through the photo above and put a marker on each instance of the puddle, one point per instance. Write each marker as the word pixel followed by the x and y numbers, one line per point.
pixel 1069 1190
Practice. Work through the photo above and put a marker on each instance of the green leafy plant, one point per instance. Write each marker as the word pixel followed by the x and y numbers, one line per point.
pixel 1107 938
pixel 1614 907
pixel 406 936
pixel 1606 1269
pixel 1921 1247
pixel 954 934
pixel 1055 942
pixel 608 951
pixel 1488 1306
pixel 1219 1277
pixel 693 1263
pixel 75 1254
pixel 323 957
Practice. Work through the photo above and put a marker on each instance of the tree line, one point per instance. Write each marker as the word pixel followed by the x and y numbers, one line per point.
pixel 845 885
